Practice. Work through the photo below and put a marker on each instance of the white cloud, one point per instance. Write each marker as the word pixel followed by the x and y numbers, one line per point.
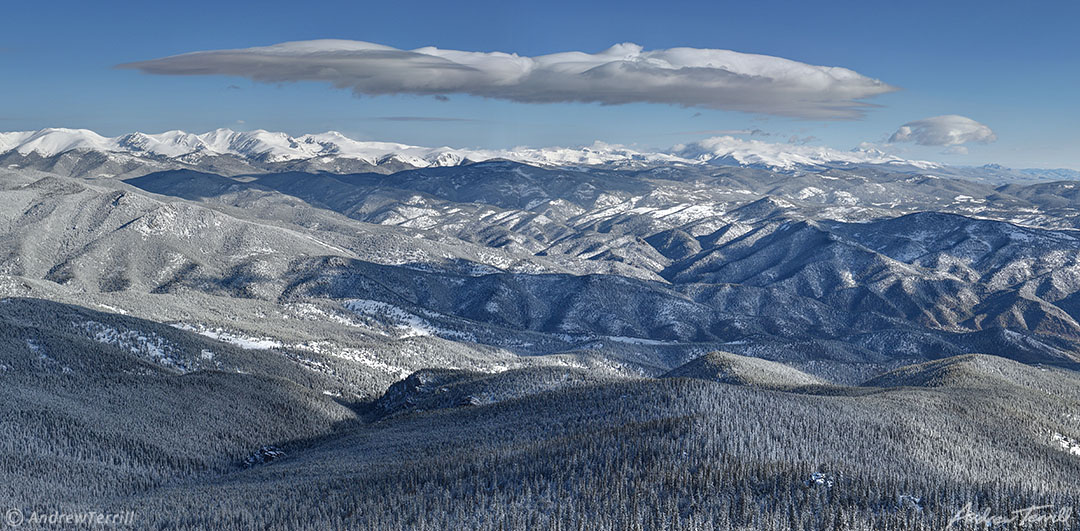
pixel 725 132
pixel 624 73
pixel 947 130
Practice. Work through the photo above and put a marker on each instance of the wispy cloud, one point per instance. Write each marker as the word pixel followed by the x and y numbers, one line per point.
pixel 421 119
pixel 624 73
pixel 802 140
pixel 724 132
pixel 947 130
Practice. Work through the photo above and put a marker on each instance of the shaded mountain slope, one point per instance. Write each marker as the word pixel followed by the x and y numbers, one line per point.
pixel 725 367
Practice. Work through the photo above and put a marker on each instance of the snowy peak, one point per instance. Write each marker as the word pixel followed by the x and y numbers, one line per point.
pixel 267 146
pixel 273 147
pixel 731 151
pixel 264 146
pixel 53 141
pixel 167 144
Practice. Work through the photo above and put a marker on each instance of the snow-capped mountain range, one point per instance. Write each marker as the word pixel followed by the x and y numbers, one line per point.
pixel 728 150
pixel 271 147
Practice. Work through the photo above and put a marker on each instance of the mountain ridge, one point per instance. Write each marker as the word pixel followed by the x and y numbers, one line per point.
pixel 276 147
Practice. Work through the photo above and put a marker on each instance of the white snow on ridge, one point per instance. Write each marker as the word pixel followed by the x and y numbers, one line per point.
pixel 49 142
pixel 640 341
pixel 406 323
pixel 270 146
pixel 260 145
pixel 244 342
pixel 728 150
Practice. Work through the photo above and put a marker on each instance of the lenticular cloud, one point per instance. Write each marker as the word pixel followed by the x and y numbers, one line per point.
pixel 947 130
pixel 624 73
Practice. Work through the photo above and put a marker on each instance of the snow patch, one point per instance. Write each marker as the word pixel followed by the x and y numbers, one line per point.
pixel 233 338
pixel 146 345
pixel 1066 444
pixel 406 323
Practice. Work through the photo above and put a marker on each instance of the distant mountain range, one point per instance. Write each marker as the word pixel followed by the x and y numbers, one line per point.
pixel 270 147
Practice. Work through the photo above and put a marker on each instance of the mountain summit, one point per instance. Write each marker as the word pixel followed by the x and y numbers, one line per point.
pixel 275 147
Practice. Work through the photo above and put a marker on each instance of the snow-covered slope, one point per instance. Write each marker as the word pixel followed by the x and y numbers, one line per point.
pixel 271 147
pixel 728 150
pixel 49 142
pixel 268 146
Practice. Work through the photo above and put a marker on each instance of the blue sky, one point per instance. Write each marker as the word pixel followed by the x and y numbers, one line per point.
pixel 1013 67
